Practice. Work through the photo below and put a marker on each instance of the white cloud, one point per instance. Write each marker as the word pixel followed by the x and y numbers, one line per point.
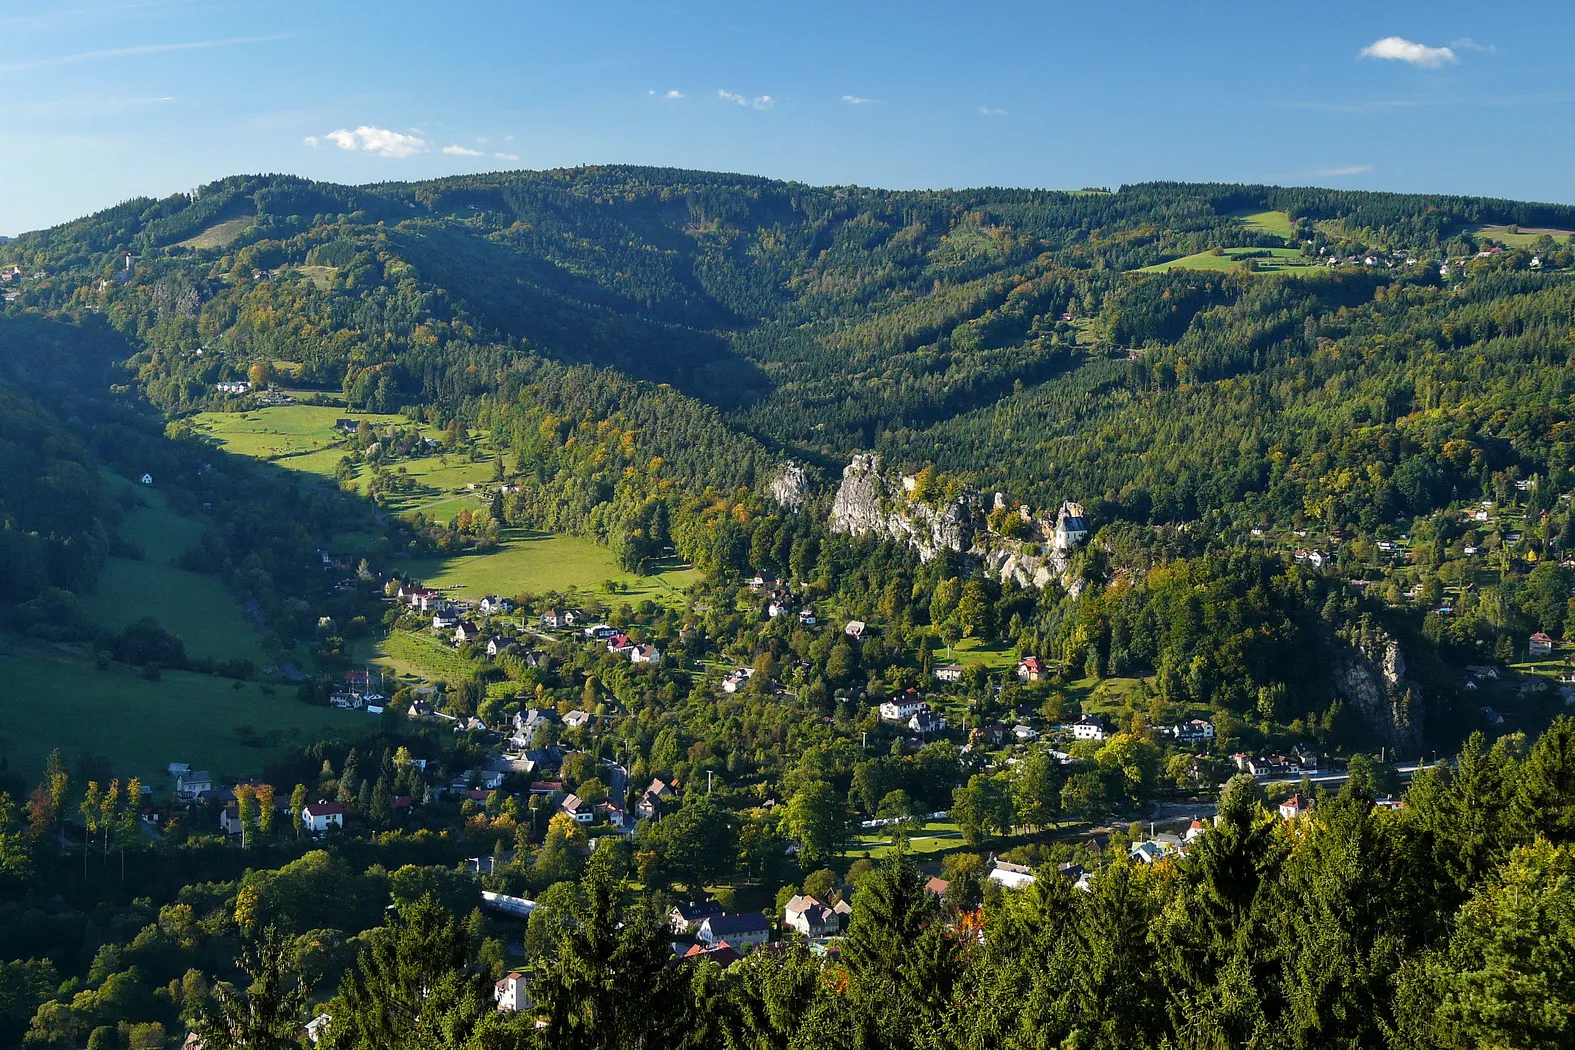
pixel 1349 169
pixel 311 140
pixel 758 102
pixel 381 141
pixel 854 100
pixel 1399 49
pixel 1465 43
pixel 674 94
pixel 482 140
pixel 507 156
pixel 462 151
pixel 992 111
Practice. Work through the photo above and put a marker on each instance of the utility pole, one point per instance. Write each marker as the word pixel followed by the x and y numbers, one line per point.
pixel 708 782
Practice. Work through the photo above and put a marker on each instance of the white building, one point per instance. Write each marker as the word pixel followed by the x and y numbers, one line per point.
pixel 317 817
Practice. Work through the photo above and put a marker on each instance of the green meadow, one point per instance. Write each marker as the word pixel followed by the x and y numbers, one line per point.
pixel 1523 236
pixel 1281 259
pixel 284 431
pixel 199 608
pixel 1275 222
pixel 142 726
pixel 535 562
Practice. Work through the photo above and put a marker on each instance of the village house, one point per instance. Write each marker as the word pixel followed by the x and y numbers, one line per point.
pixel 855 629
pixel 733 680
pixel 1195 731
pixel 578 719
pixel 806 617
pixel 1071 528
pixel 512 993
pixel 1030 669
pixel 1294 807
pixel 499 646
pixel 317 817
pixel 600 631
pixel 577 808
pixel 492 604
pixel 614 815
pixel 1090 727
pixel 424 600
pixel 902 707
pixel 737 930
pixel 465 631
pixel 950 673
pixel 685 916
pixel 937 886
pixel 556 619
pixel 1540 645
pixel 810 917
pixel 649 806
pixel 189 785
pixel 444 620
pixel 345 701
pixel 1011 876
pixel 926 722
pixel 722 953
pixel 645 655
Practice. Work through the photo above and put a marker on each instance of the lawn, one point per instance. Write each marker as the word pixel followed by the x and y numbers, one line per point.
pixel 1523 237
pixel 1275 222
pixel 219 234
pixel 142 726
pixel 1283 259
pixel 285 431
pixel 935 837
pixel 970 651
pixel 199 608
pixel 536 562
pixel 417 656
pixel 1107 696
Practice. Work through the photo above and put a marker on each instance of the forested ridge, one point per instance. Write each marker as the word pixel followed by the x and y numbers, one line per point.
pixel 968 328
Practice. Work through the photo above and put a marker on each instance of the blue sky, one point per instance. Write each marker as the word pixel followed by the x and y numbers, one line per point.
pixel 100 101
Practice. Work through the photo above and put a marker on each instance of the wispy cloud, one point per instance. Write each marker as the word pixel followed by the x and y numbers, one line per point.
pixel 463 151
pixel 380 141
pixel 758 102
pixel 132 52
pixel 1465 43
pixel 507 156
pixel 854 100
pixel 1349 169
pixel 1399 49
pixel 673 95
pixel 992 111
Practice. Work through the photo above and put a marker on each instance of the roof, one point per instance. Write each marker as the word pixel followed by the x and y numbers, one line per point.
pixel 695 911
pixel 747 922
pixel 323 808
pixel 1541 636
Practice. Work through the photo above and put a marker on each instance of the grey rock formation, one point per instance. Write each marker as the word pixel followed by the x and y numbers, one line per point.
pixel 1373 681
pixel 790 486
pixel 868 503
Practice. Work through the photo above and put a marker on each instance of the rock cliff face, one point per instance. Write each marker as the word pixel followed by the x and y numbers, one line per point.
pixel 868 503
pixel 790 486
pixel 1372 679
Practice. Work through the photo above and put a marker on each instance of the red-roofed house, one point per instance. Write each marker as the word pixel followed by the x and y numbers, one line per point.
pixel 317 817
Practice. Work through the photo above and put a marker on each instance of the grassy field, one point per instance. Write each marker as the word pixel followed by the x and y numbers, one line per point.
pixel 1524 237
pixel 974 651
pixel 284 431
pixel 219 234
pixel 1283 259
pixel 934 837
pixel 534 562
pixel 1275 222
pixel 142 726
pixel 199 608
pixel 1107 696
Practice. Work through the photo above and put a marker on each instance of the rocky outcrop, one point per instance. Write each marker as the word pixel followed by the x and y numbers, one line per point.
pixel 790 486
pixel 868 503
pixel 1370 676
